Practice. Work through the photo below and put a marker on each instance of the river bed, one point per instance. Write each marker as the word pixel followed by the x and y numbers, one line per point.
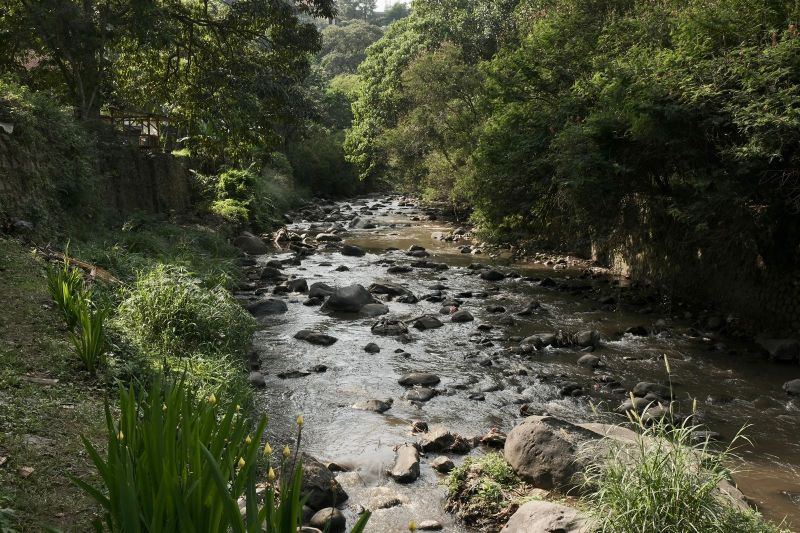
pixel 733 385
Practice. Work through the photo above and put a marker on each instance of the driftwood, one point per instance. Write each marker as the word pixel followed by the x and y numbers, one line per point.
pixel 94 271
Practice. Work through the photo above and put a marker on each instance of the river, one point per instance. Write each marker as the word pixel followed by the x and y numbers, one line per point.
pixel 733 385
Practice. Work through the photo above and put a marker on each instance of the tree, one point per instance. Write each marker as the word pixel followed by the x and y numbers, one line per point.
pixel 399 10
pixel 356 9
pixel 344 46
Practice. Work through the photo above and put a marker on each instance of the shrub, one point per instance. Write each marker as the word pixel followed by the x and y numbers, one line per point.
pixel 169 313
pixel 177 461
pixel 231 210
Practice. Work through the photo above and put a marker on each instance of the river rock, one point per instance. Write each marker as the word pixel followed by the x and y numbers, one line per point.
pixel 399 269
pixel 250 244
pixel 320 290
pixel 540 340
pixel 349 299
pixel 389 327
pixel 462 315
pixel 635 404
pixel 319 485
pixel 437 439
pixel 270 306
pixel 589 361
pixel 421 394
pixel 530 309
pixel 406 464
pixel 544 452
pixel 429 525
pixel 792 387
pixel 328 237
pixel 329 519
pixel 539 516
pixel 392 290
pixel 427 322
pixel 643 388
pixel 352 250
pixel 297 285
pixel 442 464
pixel 373 310
pixel 372 348
pixel 256 379
pixel 384 498
pixel 376 406
pixel 418 378
pixel 587 338
pixel 781 350
pixel 320 339
pixel 271 273
pixel 492 275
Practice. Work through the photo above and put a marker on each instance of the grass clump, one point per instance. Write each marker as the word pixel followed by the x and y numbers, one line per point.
pixel 65 285
pixel 172 319
pixel 484 491
pixel 666 481
pixel 176 460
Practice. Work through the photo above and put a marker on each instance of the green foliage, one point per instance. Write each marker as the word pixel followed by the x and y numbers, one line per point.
pixel 481 489
pixel 54 159
pixel 177 460
pixel 233 211
pixel 320 166
pixel 65 285
pixel 168 312
pixel 344 46
pixel 90 341
pixel 666 482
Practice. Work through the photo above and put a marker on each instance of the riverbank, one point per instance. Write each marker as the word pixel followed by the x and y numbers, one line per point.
pixel 341 369
pixel 49 401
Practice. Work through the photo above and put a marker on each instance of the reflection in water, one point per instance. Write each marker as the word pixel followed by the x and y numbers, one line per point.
pixel 732 390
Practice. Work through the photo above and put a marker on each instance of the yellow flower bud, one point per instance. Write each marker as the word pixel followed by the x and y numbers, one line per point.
pixel 238 407
pixel 300 420
pixel 212 399
pixel 164 407
pixel 241 462
pixel 412 526
pixel 120 436
pixel 267 450
pixel 271 474
pixel 286 452
pixel 248 440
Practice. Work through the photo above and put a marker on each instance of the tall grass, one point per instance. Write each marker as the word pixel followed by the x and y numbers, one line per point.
pixel 666 481
pixel 179 461
pixel 169 313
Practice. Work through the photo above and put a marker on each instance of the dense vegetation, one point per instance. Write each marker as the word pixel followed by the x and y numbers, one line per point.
pixel 668 127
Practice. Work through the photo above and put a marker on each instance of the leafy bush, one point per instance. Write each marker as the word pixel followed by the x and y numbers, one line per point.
pixel 90 341
pixel 169 313
pixel 233 211
pixel 482 490
pixel 666 482
pixel 177 461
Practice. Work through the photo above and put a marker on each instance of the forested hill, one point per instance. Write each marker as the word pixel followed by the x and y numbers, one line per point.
pixel 663 133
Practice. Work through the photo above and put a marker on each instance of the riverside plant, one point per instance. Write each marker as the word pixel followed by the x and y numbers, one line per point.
pixel 65 285
pixel 179 461
pixel 667 481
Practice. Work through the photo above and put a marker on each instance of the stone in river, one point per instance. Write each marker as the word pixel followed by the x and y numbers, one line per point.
pixel 406 464
pixel 256 379
pixel 590 361
pixel 427 322
pixel 421 394
pixel 389 327
pixel 492 275
pixel 373 310
pixel 319 339
pixel 348 299
pixel 377 406
pixel 792 387
pixel 462 315
pixel 442 464
pixel 352 250
pixel 329 519
pixel 372 348
pixel 419 378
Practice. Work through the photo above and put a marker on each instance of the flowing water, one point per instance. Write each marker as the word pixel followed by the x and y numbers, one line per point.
pixel 733 386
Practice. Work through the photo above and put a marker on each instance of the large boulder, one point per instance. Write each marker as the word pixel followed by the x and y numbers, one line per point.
pixel 319 485
pixel 250 244
pixel 349 299
pixel 544 451
pixel 539 516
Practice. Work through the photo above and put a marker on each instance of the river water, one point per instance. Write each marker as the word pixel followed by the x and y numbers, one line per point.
pixel 733 385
